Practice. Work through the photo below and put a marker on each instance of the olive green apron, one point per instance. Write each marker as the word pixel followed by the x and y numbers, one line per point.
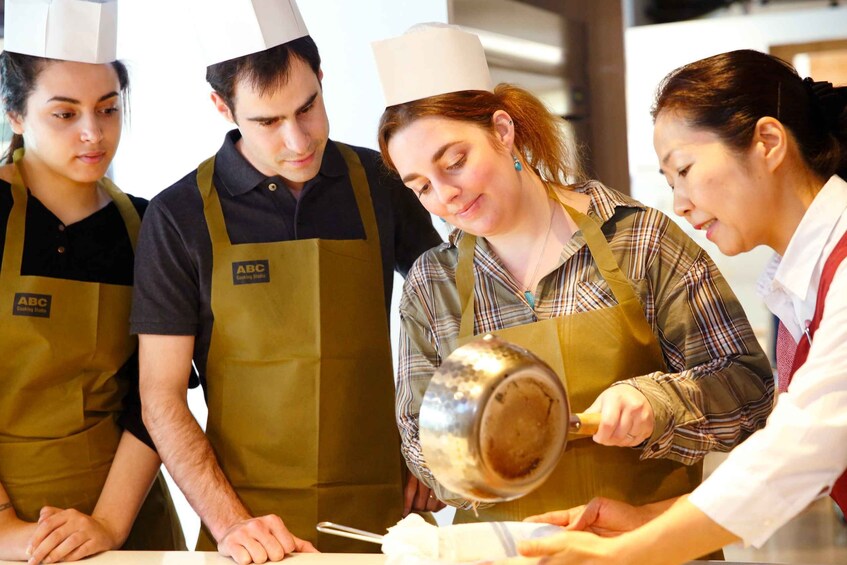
pixel 592 350
pixel 61 343
pixel 299 376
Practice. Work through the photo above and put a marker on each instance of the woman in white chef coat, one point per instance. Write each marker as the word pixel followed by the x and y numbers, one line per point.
pixel 753 154
pixel 75 470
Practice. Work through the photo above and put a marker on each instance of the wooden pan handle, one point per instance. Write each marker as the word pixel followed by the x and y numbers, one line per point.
pixel 584 424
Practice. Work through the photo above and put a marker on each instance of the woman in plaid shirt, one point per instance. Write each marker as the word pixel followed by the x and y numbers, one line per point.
pixel 631 312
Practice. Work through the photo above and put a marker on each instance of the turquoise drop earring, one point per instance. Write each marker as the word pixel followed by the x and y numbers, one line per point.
pixel 518 166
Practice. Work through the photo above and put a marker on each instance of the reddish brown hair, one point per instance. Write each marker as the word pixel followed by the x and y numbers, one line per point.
pixel 538 133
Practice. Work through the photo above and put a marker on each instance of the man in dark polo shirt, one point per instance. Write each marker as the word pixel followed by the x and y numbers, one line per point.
pixel 270 268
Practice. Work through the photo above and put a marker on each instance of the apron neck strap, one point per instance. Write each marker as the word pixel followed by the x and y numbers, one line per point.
pixel 13 248
pixel 18 172
pixel 602 254
pixel 128 212
pixel 358 179
pixel 362 191
pixel 204 177
pixel 211 204
pixel 465 283
pixel 594 238
pixel 16 224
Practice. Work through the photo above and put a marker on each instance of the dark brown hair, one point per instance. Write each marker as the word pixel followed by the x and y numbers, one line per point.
pixel 538 133
pixel 727 94
pixel 264 71
pixel 18 77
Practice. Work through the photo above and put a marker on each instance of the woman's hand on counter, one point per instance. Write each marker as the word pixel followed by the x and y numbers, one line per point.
pixel 601 516
pixel 569 548
pixel 616 533
pixel 68 535
pixel 257 540
pixel 14 534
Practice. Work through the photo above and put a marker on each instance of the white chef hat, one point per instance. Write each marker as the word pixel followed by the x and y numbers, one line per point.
pixel 70 30
pixel 428 60
pixel 234 28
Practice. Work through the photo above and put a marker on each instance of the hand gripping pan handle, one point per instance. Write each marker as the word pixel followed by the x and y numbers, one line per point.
pixel 584 424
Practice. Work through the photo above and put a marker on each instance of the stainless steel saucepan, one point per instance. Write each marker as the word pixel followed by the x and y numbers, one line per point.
pixel 495 421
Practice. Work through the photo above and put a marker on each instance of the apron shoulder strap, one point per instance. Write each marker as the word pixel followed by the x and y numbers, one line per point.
pixel 124 204
pixel 601 252
pixel 465 284
pixel 205 170
pixel 212 204
pixel 361 190
pixel 838 254
pixel 17 172
pixel 127 210
pixel 13 247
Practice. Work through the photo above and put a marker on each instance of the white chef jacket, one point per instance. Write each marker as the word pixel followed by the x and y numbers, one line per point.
pixel 802 450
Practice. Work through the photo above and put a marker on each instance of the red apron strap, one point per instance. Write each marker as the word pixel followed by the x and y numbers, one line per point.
pixel 833 261
pixel 786 349
pixel 839 490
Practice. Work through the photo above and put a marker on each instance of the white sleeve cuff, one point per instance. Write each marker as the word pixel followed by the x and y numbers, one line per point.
pixel 775 474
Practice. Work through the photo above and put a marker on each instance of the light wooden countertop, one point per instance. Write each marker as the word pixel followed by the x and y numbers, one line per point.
pixel 211 558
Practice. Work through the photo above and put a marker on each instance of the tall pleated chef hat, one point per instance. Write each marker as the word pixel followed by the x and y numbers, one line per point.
pixel 85 31
pixel 430 59
pixel 233 28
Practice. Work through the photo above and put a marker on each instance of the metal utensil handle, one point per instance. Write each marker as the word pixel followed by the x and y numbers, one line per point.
pixel 584 424
pixel 348 532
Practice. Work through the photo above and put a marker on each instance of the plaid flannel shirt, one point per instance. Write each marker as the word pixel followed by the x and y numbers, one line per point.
pixel 719 388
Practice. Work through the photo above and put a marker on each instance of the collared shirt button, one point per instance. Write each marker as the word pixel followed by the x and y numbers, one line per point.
pixel 61 227
pixel 272 187
pixel 61 249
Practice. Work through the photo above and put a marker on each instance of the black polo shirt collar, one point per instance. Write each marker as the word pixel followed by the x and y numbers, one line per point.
pixel 237 176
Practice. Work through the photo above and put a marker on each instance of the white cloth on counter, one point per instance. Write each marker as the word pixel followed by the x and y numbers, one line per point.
pixel 797 457
pixel 413 541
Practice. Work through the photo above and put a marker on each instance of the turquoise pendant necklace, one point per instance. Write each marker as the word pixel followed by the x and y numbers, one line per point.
pixel 528 294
